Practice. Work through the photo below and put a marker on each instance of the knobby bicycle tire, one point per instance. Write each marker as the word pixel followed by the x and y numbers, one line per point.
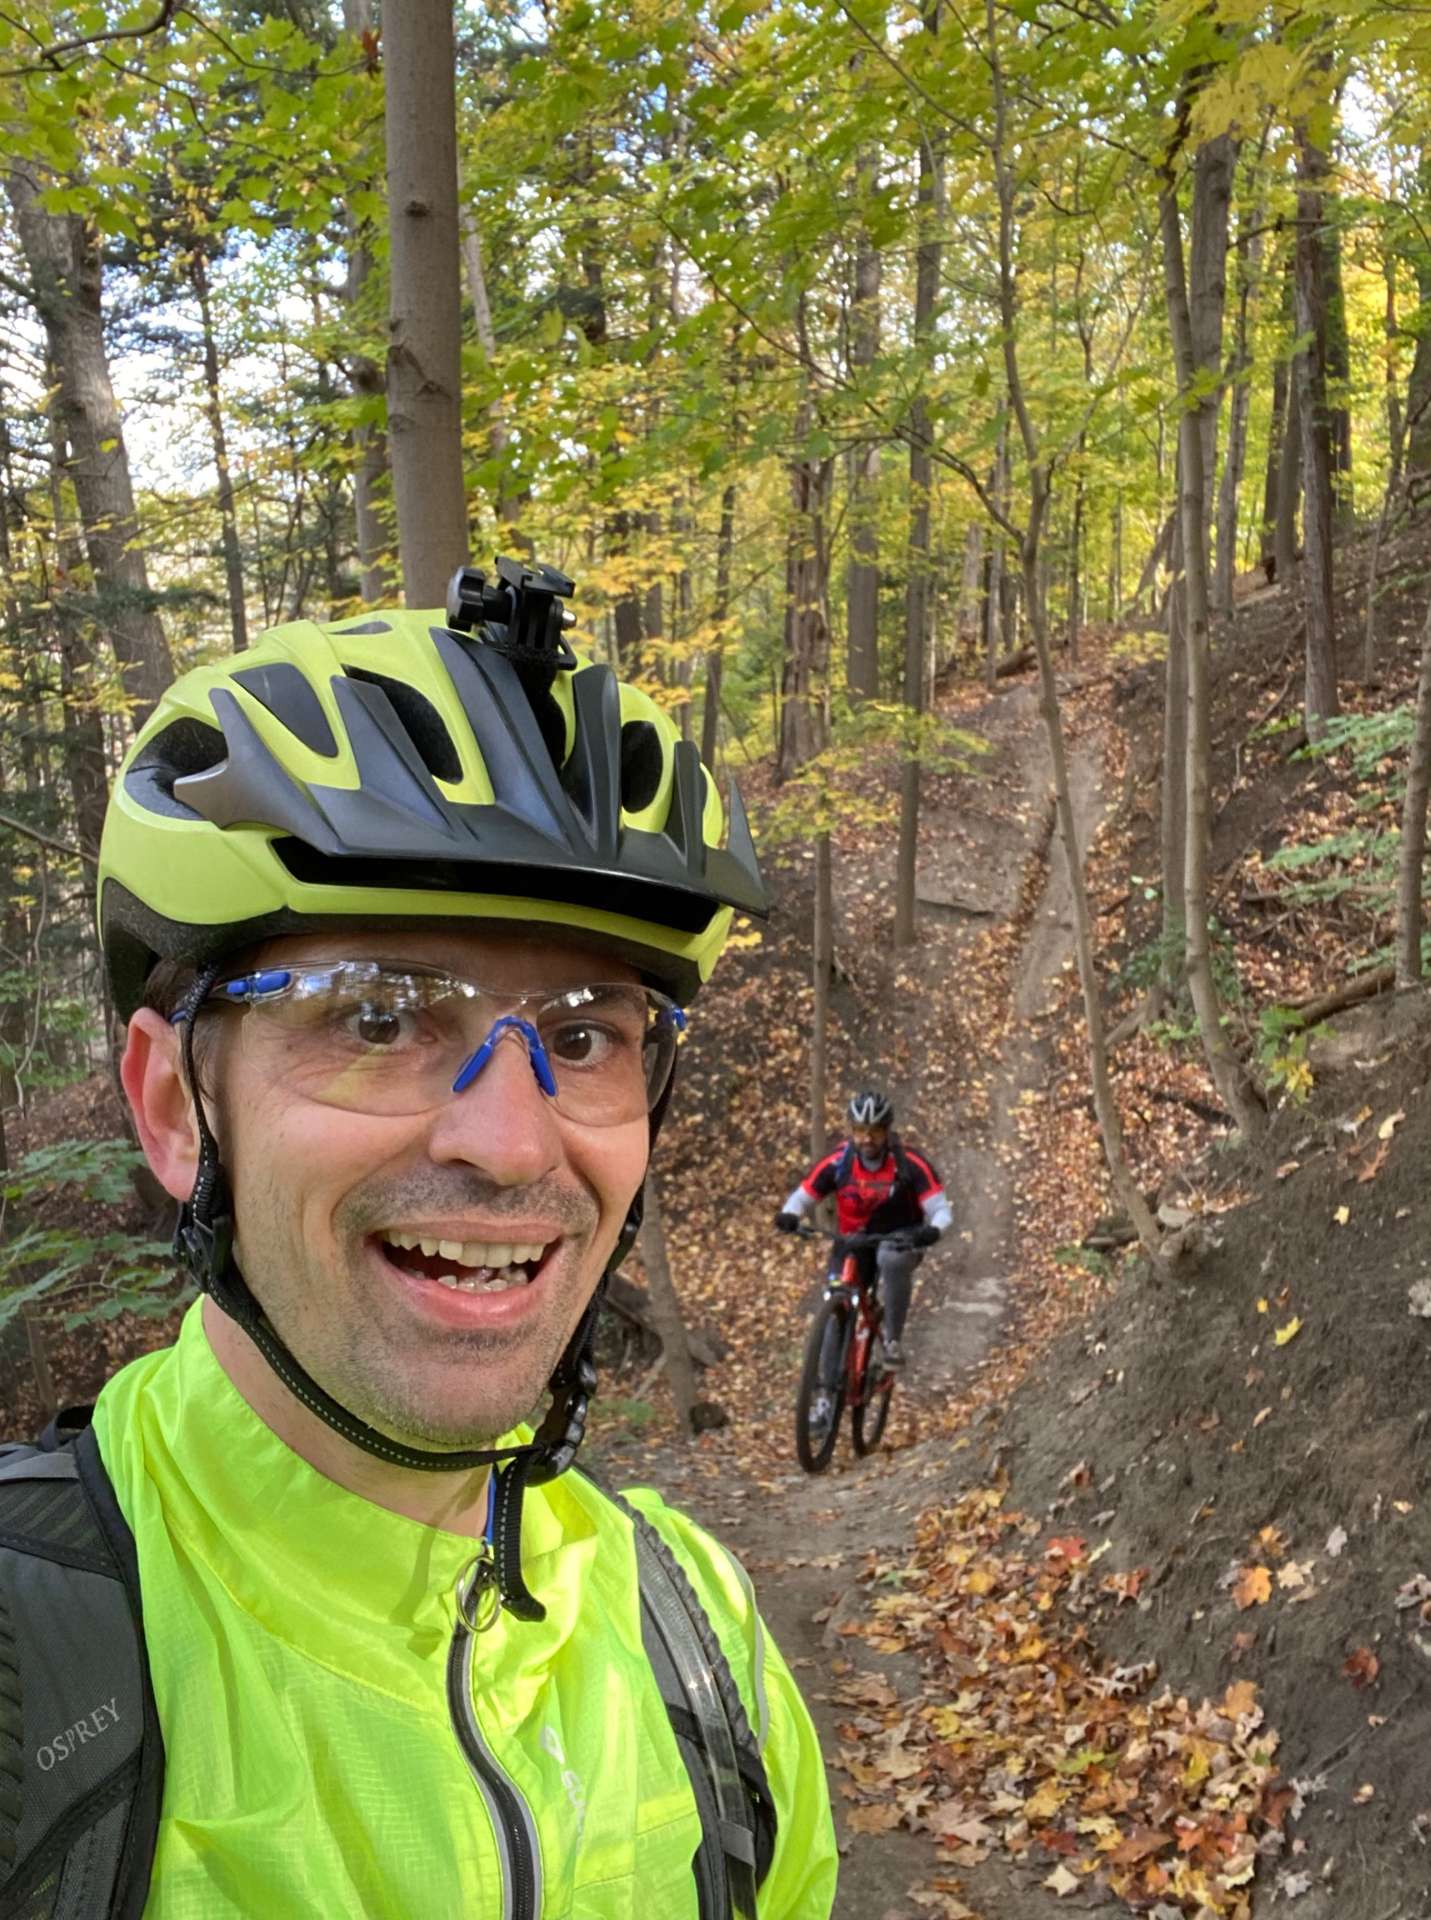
pixel 816 1450
pixel 868 1419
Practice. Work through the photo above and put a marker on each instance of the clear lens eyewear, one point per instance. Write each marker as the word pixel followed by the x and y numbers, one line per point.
pixel 383 1039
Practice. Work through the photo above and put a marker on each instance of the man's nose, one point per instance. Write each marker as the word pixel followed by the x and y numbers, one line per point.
pixel 502 1121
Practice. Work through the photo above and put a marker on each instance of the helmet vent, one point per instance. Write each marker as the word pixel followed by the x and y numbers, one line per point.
pixel 183 747
pixel 420 721
pixel 641 765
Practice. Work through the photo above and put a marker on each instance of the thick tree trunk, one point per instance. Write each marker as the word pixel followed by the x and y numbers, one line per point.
pixel 1310 373
pixel 63 257
pixel 213 407
pixel 666 1308
pixel 1413 827
pixel 1227 1071
pixel 918 593
pixel 424 373
pixel 862 575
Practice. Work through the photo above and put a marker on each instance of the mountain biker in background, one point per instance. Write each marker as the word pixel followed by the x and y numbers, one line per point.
pixel 880 1186
pixel 400 913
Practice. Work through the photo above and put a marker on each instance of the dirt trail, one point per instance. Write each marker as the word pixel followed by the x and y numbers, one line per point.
pixel 805 1540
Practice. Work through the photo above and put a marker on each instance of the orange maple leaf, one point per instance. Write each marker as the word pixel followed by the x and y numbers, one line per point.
pixel 1253 1589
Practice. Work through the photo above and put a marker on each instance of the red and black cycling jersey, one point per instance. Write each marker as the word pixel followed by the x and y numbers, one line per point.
pixel 881 1199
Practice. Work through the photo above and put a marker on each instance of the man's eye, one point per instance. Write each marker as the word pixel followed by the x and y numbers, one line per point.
pixel 377 1025
pixel 580 1044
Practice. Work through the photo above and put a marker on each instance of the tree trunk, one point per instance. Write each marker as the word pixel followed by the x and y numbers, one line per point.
pixel 1311 377
pixel 371 506
pixel 862 575
pixel 967 619
pixel 918 592
pixel 1075 547
pixel 63 257
pixel 1174 785
pixel 213 407
pixel 1249 253
pixel 995 638
pixel 1418 385
pixel 424 373
pixel 823 954
pixel 1227 1072
pixel 666 1308
pixel 1275 429
pixel 804 677
pixel 1289 483
pixel 1339 420
pixel 715 658
pixel 1413 827
pixel 509 505
pixel 1213 169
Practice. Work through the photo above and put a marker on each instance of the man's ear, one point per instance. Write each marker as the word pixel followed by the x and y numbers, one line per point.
pixel 152 1070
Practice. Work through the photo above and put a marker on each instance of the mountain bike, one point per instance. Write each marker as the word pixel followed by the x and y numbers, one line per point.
pixel 844 1356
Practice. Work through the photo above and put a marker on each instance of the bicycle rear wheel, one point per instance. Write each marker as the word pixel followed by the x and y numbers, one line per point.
pixel 867 1420
pixel 819 1402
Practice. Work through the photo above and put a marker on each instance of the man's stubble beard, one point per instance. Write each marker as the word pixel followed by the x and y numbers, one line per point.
pixel 372 1357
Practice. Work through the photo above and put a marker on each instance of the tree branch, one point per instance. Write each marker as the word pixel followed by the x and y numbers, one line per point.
pixel 51 56
pixel 43 839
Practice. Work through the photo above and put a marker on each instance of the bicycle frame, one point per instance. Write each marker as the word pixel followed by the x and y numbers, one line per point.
pixel 861 1328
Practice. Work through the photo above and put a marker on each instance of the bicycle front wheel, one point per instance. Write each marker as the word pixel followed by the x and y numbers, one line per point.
pixel 820 1400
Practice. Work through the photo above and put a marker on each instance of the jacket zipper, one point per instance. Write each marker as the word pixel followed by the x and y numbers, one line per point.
pixel 518 1851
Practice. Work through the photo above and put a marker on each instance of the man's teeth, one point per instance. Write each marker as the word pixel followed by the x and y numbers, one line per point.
pixel 471 1253
pixel 497 1283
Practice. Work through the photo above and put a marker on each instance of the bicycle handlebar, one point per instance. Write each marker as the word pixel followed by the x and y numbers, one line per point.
pixel 893 1237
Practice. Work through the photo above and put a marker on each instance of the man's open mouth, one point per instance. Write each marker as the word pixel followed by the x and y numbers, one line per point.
pixel 467 1266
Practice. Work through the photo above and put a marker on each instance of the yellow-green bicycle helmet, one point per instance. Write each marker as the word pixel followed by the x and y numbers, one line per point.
pixel 403 768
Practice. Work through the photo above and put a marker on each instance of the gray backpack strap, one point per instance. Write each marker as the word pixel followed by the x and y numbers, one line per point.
pixel 712 1729
pixel 81 1758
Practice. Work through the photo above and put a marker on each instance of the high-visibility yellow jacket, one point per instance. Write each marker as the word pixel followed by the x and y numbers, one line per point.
pixel 299 1637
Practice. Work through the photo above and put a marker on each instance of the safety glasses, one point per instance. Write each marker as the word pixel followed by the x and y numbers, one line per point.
pixel 375 1037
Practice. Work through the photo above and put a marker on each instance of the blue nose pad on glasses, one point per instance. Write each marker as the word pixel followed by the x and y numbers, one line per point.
pixel 536 1053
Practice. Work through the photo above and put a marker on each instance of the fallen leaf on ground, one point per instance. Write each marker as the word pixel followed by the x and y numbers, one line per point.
pixel 1361 1667
pixel 1289 1332
pixel 1063 1882
pixel 1253 1588
pixel 876 1819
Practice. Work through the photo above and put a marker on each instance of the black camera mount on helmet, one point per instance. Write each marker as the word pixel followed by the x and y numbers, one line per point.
pixel 524 604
